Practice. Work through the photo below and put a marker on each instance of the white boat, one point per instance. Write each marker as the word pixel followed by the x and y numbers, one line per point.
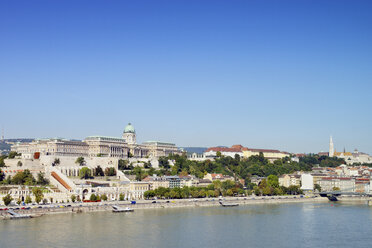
pixel 117 209
pixel 14 215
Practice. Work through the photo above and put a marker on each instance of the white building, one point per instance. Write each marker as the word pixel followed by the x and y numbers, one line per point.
pixel 96 146
pixel 307 182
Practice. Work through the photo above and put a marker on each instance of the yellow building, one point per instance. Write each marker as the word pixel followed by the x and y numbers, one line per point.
pixel 271 155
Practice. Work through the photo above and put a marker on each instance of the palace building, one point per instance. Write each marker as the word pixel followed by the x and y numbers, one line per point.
pixel 97 146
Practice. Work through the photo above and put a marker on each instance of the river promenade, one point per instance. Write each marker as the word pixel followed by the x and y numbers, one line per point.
pixel 172 203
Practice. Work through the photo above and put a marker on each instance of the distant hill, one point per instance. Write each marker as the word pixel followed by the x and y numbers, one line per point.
pixel 22 140
pixel 4 146
pixel 191 150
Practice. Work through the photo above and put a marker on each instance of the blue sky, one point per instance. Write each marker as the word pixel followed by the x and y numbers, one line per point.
pixel 265 74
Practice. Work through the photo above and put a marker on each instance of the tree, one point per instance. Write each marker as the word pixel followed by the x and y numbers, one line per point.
pixel 41 180
pixel 38 194
pixel 110 172
pixel 317 187
pixel 164 163
pixel 23 177
pixel 218 154
pixel 273 181
pixel 93 197
pixel 19 164
pixel 2 163
pixel 73 198
pixel 336 189
pixel 123 164
pixel 56 161
pixel 149 194
pixel 104 197
pixel 28 200
pixel 8 180
pixel 80 161
pixel 2 176
pixel 7 199
pixel 139 173
pixel 99 171
pixel 85 173
pixel 13 154
pixel 121 197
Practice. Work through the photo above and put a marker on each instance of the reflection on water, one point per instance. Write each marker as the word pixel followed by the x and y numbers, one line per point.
pixel 271 225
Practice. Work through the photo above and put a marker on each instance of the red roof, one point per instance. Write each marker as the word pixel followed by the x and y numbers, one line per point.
pixel 323 153
pixel 240 148
pixel 340 178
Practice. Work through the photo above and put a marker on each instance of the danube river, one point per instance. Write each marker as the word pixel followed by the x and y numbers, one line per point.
pixel 269 225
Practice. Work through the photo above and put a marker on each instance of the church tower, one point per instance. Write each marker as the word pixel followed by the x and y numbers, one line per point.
pixel 331 148
pixel 129 134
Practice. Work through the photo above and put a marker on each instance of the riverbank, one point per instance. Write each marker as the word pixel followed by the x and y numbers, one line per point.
pixel 173 203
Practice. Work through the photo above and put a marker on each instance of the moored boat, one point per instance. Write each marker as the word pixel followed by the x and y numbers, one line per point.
pixel 117 209
pixel 228 204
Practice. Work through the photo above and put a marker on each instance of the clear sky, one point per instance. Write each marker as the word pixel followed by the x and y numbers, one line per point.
pixel 264 74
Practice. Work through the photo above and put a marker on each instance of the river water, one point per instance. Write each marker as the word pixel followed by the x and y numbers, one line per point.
pixel 270 225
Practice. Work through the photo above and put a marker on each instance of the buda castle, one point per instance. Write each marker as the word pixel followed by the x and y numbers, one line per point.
pixel 97 146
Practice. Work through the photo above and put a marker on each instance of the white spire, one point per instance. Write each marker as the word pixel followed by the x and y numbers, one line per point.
pixel 331 148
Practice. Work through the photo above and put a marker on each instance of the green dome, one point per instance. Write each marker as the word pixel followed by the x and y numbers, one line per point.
pixel 129 129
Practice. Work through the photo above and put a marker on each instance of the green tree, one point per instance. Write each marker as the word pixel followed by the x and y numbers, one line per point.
pixel 93 197
pixel 13 154
pixel 164 163
pixel 19 164
pixel 73 198
pixel 149 194
pixel 273 181
pixel 38 194
pixel 121 197
pixel 8 180
pixel 99 172
pixel 317 187
pixel 104 197
pixel 123 164
pixel 7 199
pixel 139 173
pixel 41 180
pixel 2 176
pixel 336 189
pixel 2 163
pixel 110 171
pixel 80 161
pixel 229 192
pixel 28 200
pixel 85 173
pixel 23 177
